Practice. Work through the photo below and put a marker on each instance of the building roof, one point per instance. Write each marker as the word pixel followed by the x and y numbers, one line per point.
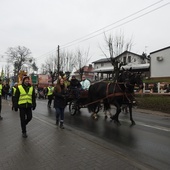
pixel 104 60
pixel 135 67
pixel 128 53
pixel 160 50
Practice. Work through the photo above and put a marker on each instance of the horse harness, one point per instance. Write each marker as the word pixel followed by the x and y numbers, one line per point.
pixel 124 94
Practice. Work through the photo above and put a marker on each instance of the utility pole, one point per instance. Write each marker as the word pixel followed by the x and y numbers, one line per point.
pixel 58 57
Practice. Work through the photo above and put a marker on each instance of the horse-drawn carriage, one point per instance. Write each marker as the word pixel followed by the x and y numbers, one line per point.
pixel 107 94
pixel 77 99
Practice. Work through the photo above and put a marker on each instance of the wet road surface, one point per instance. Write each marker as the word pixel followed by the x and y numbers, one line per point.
pixel 147 142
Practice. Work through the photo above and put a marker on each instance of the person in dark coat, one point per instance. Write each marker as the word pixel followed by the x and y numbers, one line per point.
pixel 74 83
pixel 25 101
pixel 75 87
pixel 60 102
pixel 6 91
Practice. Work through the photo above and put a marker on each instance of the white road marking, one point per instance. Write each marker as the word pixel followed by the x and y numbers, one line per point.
pixel 151 126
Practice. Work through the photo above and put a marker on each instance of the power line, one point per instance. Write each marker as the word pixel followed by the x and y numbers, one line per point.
pixel 112 24
pixel 44 55
pixel 81 39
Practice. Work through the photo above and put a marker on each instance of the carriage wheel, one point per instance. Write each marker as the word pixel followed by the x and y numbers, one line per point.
pixel 73 107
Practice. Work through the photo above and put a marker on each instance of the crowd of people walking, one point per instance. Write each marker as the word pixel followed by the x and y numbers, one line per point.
pixel 24 97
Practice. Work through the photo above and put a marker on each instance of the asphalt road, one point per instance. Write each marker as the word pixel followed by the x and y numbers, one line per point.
pixel 148 142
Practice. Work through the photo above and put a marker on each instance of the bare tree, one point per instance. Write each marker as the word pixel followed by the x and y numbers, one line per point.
pixel 66 62
pixel 116 45
pixel 80 60
pixel 50 67
pixel 34 66
pixel 18 56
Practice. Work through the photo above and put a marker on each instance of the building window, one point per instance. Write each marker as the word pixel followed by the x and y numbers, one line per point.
pixel 129 59
pixel 102 64
pixel 124 60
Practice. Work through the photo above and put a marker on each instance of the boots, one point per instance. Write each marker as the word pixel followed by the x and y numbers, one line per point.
pixel 57 122
pixel 61 125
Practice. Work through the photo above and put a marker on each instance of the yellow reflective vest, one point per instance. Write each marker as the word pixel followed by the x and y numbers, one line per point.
pixel 50 91
pixel 25 97
pixel 14 91
pixel 0 89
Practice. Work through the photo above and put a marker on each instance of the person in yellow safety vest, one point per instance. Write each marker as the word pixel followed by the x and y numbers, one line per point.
pixel 1 98
pixel 14 88
pixel 25 100
pixel 66 82
pixel 50 90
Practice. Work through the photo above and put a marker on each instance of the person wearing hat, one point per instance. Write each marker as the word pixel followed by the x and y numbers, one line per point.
pixel 1 86
pixel 74 83
pixel 75 87
pixel 25 100
pixel 14 88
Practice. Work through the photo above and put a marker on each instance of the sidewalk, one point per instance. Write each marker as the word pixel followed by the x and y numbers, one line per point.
pixel 50 148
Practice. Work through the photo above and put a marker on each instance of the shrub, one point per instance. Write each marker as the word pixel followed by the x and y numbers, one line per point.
pixel 154 102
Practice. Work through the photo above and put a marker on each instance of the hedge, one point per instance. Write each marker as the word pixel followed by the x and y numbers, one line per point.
pixel 154 102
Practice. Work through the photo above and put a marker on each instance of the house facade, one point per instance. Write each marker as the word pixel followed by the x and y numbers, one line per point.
pixel 88 71
pixel 160 63
pixel 103 67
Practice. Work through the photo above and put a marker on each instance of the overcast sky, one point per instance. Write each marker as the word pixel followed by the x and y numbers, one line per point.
pixel 42 25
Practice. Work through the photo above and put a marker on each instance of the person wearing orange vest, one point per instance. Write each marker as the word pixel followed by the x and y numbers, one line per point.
pixel 0 98
pixel 25 100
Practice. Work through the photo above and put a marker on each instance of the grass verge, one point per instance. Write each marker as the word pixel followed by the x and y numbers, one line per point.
pixel 154 102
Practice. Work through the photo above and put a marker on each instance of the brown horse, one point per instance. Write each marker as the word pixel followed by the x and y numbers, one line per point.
pixel 115 94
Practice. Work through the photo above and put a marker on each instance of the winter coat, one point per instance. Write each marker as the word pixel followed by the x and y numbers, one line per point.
pixel 85 84
pixel 59 97
pixel 74 83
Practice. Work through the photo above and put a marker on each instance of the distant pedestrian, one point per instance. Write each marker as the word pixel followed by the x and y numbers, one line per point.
pixel 6 88
pixel 25 100
pixel 14 88
pixel 1 86
pixel 60 102
pixel 45 92
pixel 50 89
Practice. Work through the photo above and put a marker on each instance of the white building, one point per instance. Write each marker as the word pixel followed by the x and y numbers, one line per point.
pixel 160 63
pixel 103 67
